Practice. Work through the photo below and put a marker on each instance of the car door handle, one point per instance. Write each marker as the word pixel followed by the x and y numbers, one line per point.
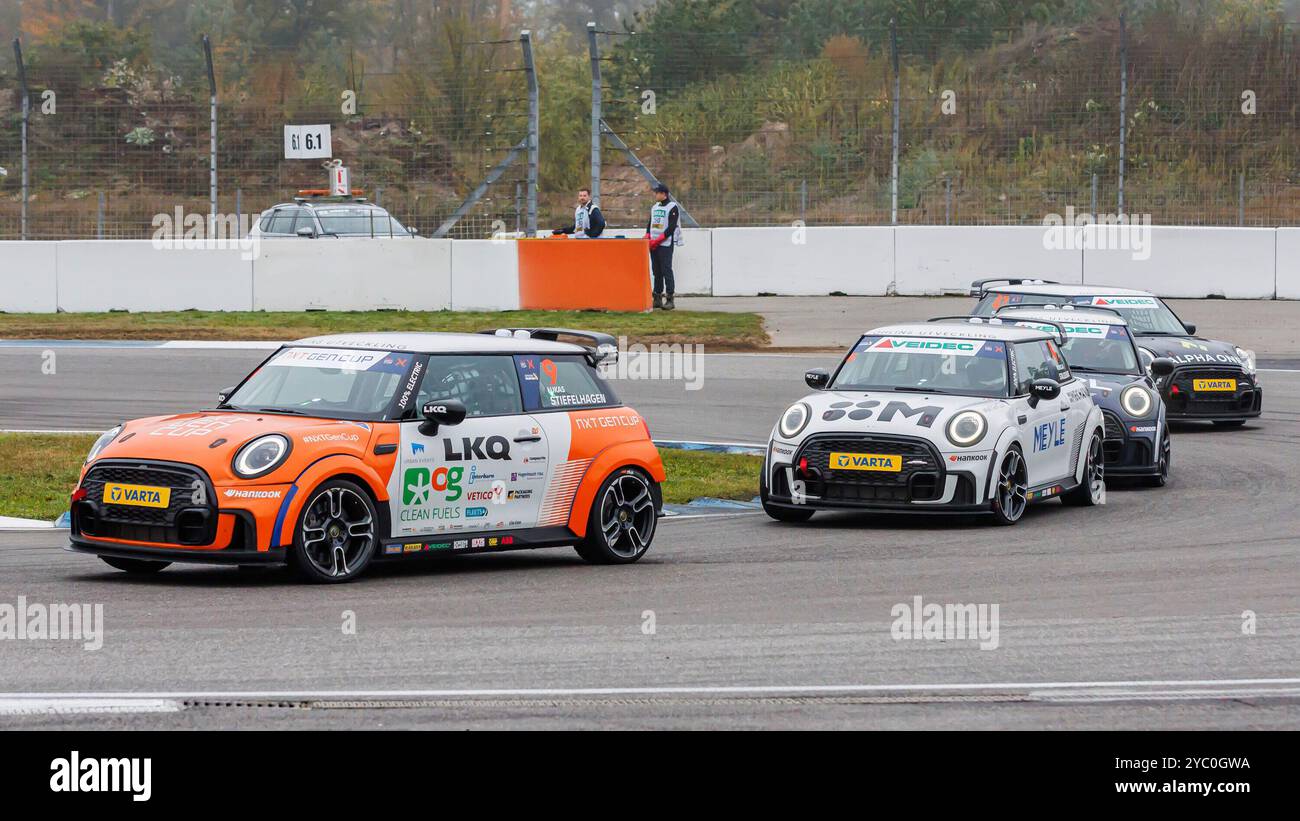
pixel 528 438
pixel 1022 419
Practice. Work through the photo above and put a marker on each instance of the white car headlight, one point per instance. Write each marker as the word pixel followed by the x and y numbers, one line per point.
pixel 261 456
pixel 1136 401
pixel 102 442
pixel 794 420
pixel 967 428
pixel 1247 360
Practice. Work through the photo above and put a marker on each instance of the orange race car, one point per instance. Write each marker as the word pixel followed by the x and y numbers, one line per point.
pixel 345 449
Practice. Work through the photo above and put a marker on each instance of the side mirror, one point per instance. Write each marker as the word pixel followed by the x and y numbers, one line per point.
pixel 447 412
pixel 817 378
pixel 1162 366
pixel 309 233
pixel 1189 327
pixel 1041 389
pixel 224 394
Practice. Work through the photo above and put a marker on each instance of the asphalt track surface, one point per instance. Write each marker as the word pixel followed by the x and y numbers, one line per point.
pixel 756 624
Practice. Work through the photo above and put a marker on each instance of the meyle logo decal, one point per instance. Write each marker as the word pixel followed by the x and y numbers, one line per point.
pixel 1049 435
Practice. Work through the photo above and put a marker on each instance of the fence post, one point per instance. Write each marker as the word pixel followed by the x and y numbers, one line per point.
pixel 1241 198
pixel 239 212
pixel 519 207
pixel 530 70
pixel 99 217
pixel 803 201
pixel 212 138
pixel 947 200
pixel 893 168
pixel 1123 105
pixel 1093 209
pixel 596 112
pixel 27 110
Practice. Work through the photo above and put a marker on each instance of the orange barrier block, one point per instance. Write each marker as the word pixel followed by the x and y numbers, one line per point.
pixel 563 274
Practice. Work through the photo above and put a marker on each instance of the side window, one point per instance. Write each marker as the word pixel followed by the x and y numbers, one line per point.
pixel 304 220
pixel 561 382
pixel 1062 369
pixel 1032 362
pixel 485 384
pixel 281 221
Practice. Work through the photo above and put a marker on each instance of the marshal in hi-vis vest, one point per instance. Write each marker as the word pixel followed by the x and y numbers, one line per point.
pixel 659 221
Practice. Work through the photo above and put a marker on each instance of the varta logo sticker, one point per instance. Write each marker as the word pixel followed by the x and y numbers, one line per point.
pixel 1049 435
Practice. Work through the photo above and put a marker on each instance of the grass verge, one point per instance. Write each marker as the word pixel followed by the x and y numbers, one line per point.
pixel 716 329
pixel 693 474
pixel 39 470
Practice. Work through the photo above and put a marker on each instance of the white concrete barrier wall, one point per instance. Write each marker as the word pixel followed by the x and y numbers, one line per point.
pixel 939 259
pixel 692 260
pixel 1238 263
pixel 810 261
pixel 134 275
pixel 29 277
pixel 484 275
pixel 1287 258
pixel 352 274
pixel 426 274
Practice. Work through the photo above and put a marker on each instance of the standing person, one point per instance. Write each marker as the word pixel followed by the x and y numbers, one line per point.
pixel 664 233
pixel 588 222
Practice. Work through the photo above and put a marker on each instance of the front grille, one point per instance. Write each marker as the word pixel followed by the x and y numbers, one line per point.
pixel 920 479
pixel 189 518
pixel 1183 398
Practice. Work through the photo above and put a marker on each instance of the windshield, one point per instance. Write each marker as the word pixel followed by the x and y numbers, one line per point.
pixel 970 367
pixel 332 382
pixel 1144 314
pixel 359 222
pixel 1105 348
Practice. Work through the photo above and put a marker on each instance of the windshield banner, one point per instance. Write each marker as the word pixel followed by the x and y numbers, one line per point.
pixel 342 358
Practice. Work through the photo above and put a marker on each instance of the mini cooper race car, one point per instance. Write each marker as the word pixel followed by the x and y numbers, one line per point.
pixel 1212 381
pixel 1101 351
pixel 955 415
pixel 341 450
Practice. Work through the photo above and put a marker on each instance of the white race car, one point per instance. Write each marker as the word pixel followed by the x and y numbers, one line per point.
pixel 960 415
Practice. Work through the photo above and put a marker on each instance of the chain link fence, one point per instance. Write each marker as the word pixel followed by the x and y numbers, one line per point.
pixel 112 146
pixel 749 127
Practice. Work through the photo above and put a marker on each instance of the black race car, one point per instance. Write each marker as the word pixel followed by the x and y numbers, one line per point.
pixel 1101 351
pixel 1212 381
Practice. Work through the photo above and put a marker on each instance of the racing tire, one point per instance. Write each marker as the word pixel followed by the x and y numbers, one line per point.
pixel 622 521
pixel 336 535
pixel 1010 497
pixel 781 514
pixel 1092 490
pixel 139 567
pixel 1229 423
pixel 1164 463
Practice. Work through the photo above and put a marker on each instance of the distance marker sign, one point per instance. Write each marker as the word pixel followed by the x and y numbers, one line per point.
pixel 307 142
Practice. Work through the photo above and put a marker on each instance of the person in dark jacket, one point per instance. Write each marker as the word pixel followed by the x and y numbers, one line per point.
pixel 588 222
pixel 664 234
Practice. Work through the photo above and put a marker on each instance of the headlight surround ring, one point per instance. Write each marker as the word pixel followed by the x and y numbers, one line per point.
pixel 260 456
pixel 105 439
pixel 790 427
pixel 1137 401
pixel 967 428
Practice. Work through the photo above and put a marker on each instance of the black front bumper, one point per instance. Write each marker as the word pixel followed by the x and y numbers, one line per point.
pixel 916 488
pixel 171 554
pixel 1127 453
pixel 1184 403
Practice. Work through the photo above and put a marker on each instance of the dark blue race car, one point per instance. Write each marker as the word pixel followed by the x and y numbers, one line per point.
pixel 1101 351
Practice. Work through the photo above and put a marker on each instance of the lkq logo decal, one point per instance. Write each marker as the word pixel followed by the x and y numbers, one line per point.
pixel 945 622
pixel 1100 232
pixel 476 447
pixel 118 775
